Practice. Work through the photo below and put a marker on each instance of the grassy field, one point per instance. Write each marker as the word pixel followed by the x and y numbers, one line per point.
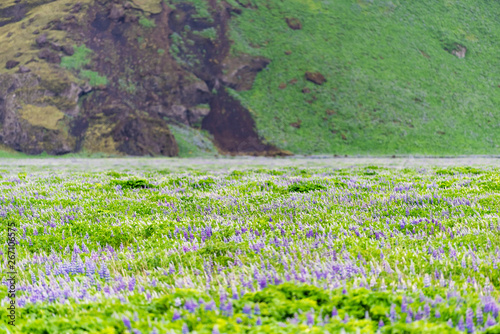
pixel 393 84
pixel 251 245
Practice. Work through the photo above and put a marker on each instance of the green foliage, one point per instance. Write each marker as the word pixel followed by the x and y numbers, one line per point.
pixel 209 33
pixel 132 184
pixel 80 58
pixel 115 174
pixel 94 78
pixel 146 23
pixel 204 184
pixel 305 187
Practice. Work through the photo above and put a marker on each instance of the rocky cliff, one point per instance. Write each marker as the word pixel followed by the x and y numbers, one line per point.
pixel 110 76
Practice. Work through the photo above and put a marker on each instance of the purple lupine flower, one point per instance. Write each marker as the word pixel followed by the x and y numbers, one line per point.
pixel 131 284
pixel 437 314
pixel 210 306
pixel 469 320
pixel 427 310
pixel 392 313
pixel 346 318
pixel 247 309
pixel 427 281
pixel 450 323
pixel 176 316
pixel 490 321
pixel 310 318
pixel 381 323
pixel 479 315
pixel 185 328
pixel 408 318
pixel 259 321
pixel 190 305
pixel 334 312
pixel 256 309
pixel 136 316
pixel 238 320
pixel 215 330
pixel 104 273
pixel 126 322
pixel 76 249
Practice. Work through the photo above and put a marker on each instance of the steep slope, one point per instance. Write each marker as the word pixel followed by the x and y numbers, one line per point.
pixel 401 76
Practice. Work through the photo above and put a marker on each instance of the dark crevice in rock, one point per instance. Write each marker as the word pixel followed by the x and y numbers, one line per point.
pixel 18 11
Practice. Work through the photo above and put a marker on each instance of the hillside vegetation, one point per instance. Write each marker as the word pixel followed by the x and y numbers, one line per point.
pixel 392 82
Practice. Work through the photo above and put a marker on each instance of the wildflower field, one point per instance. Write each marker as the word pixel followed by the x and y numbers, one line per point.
pixel 270 247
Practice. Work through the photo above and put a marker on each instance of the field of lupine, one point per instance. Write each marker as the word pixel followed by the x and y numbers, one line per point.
pixel 246 249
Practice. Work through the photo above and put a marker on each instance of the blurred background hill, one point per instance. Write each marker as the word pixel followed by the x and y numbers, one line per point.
pixel 251 77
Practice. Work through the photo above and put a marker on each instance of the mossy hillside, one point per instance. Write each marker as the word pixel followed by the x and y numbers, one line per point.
pixel 149 6
pixel 46 117
pixel 392 87
pixel 22 40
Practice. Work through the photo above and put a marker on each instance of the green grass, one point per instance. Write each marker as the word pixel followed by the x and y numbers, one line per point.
pixel 94 78
pixel 392 87
pixel 146 23
pixel 80 58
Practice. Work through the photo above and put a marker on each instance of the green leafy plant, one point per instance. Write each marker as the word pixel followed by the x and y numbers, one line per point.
pixel 304 187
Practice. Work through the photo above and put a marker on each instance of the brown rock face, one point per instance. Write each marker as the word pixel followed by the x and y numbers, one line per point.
pixel 11 64
pixel 117 12
pixel 315 77
pixel 459 51
pixel 41 41
pixel 241 71
pixel 24 69
pixel 68 50
pixel 49 56
pixel 28 124
pixel 144 135
pixel 294 23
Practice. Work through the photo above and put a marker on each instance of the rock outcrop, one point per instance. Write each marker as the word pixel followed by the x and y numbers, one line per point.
pixel 137 69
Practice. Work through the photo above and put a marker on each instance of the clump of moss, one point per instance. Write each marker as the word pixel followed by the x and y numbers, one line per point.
pixel 46 117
